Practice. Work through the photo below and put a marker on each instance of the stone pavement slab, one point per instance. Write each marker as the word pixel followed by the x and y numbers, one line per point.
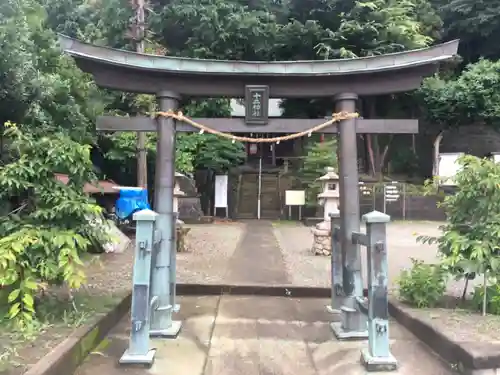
pixel 184 355
pixel 232 335
pixel 284 336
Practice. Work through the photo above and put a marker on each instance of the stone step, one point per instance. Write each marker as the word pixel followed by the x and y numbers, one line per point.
pixel 249 192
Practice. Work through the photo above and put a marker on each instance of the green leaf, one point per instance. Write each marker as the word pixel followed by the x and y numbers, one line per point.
pixel 29 303
pixel 14 310
pixel 13 295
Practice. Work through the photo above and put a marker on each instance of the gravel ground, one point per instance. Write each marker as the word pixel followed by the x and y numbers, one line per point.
pixel 111 272
pixel 303 267
pixel 209 248
pixel 306 269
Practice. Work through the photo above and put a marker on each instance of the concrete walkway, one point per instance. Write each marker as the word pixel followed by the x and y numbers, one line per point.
pixel 230 335
pixel 258 258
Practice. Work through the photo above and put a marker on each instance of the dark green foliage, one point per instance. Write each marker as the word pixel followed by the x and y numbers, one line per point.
pixel 41 89
pixel 475 23
pixel 472 97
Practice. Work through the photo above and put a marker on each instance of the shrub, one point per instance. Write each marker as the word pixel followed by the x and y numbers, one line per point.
pixel 469 244
pixel 423 285
pixel 43 238
pixel 492 299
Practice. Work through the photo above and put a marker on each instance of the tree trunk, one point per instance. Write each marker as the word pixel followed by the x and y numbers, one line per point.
pixel 435 159
pixel 377 155
pixel 370 155
pixel 383 157
pixel 371 141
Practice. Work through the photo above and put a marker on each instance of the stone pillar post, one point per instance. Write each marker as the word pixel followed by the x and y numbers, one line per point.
pixel 378 356
pixel 349 200
pixel 163 278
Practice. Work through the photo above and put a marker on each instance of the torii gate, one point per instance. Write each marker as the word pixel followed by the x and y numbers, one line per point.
pixel 170 78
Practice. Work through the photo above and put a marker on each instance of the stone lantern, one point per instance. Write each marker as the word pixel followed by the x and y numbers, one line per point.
pixel 329 199
pixel 177 194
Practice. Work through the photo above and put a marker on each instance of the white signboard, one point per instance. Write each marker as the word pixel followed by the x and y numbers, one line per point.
pixel 391 192
pixel 496 157
pixel 221 191
pixel 448 167
pixel 295 197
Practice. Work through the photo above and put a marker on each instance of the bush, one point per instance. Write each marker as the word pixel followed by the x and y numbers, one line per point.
pixel 469 244
pixel 423 285
pixel 43 238
pixel 492 298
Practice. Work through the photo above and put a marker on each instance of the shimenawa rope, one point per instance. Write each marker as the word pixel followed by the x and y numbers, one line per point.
pixel 336 117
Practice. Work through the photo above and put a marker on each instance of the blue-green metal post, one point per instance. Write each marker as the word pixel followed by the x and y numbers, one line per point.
pixel 378 356
pixel 138 351
pixel 162 324
pixel 336 265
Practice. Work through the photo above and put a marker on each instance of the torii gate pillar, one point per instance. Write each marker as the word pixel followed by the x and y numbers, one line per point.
pixel 164 263
pixel 349 201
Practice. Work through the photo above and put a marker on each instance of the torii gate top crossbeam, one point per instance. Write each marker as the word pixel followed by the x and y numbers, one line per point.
pixel 129 71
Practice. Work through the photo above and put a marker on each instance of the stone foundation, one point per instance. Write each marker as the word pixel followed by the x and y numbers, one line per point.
pixel 182 233
pixel 322 244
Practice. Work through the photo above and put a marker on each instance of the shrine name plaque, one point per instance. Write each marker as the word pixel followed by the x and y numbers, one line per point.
pixel 256 105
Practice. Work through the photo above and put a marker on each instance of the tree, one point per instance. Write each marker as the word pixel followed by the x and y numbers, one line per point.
pixel 471 98
pixel 97 21
pixel 40 88
pixel 364 28
pixel 319 156
pixel 469 244
pixel 193 151
pixel 266 30
pixel 215 29
pixel 475 23
pixel 47 229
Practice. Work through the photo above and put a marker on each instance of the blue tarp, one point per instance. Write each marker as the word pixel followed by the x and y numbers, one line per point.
pixel 130 201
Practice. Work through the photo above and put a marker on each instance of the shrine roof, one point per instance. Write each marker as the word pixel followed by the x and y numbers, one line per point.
pixel 182 65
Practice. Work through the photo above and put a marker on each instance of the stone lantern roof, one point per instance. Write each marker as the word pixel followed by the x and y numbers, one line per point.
pixel 177 189
pixel 330 175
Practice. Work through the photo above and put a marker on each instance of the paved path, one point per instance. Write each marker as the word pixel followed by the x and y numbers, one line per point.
pixel 257 336
pixel 232 335
pixel 258 258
